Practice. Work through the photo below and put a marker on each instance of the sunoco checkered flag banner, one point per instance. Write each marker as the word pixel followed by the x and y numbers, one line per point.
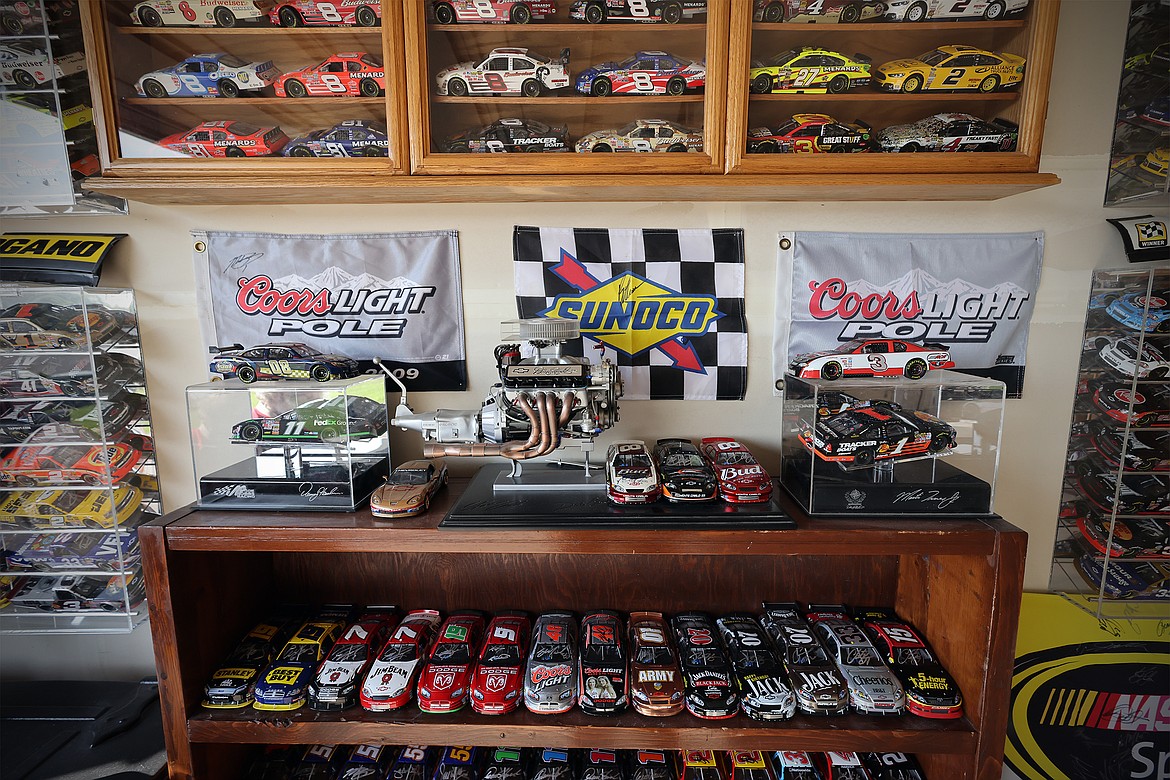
pixel 664 305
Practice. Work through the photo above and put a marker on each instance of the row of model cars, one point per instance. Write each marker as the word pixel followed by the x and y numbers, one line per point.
pixel 823 660
pixel 414 762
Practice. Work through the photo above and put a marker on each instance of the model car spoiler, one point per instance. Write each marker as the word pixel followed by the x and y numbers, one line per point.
pixel 227 348
pixel 865 58
pixel 1006 124
pixel 935 346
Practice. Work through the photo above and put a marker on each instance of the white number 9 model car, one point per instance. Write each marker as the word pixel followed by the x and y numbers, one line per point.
pixel 505 72
pixel 643 135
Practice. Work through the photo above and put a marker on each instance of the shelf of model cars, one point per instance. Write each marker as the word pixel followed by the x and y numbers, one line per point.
pixel 569 100
pixel 373 33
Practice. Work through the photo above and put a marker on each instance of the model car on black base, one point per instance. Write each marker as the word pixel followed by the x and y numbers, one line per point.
pixel 336 681
pixel 749 765
pixel 552 764
pixel 709 690
pixel 764 692
pixel 497 683
pixel 873 688
pixel 506 763
pixel 656 681
pixel 742 480
pixel 413 763
pixel 601 764
pixel 794 765
pixel 683 473
pixel 950 132
pixel 390 682
pixel 284 684
pixel 603 675
pixel 459 763
pixel 550 675
pixel 445 681
pixel 328 420
pixel 820 689
pixel 510 135
pixel 703 765
pixel 230 686
pixel 280 361
pixel 879 431
pixel 931 692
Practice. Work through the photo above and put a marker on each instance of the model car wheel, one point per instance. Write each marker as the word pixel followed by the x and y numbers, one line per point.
pixel 601 87
pixel 320 373
pixel 150 17
pixel 677 148
pixel 831 371
pixel 154 88
pixel 762 84
pixel 72 388
pixel 251 431
pixel 295 89
pixel 530 88
pixel 1163 326
pixel 766 147
pixel 375 151
pixel 602 148
pixel 458 148
pixel 989 84
pixel 912 84
pixel 91 479
pixel 369 88
pixel 5 392
pixel 863 458
pixel 328 434
pixel 365 17
pixel 521 14
pixel 594 13
pixel 940 442
pixel 849 14
pixel 246 374
pixel 289 17
pixel 774 12
pixel 234 151
pixel 224 17
pixel 910 147
pixel 838 84
pixel 301 151
pixel 916 13
pixel 1159 372
pixel 228 88
pixel 24 79
pixel 915 369
pixel 672 13
pixel 24 480
pixel 12 25
pixel 994 11
pixel 837 149
pixel 457 87
pixel 676 86
pixel 444 13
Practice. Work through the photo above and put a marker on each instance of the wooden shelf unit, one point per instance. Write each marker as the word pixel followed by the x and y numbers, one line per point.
pixel 212 575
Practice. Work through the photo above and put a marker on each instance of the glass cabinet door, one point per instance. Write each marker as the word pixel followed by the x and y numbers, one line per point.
pixel 574 85
pixel 253 80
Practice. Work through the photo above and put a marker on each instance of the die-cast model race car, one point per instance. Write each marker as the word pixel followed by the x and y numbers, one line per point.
pixel 390 682
pixel 1147 407
pixel 71 551
pixel 60 453
pixel 652 765
pixel 703 765
pixel 506 763
pixel 643 135
pixel 872 357
pixel 668 11
pixel 226 139
pixel 1148 537
pixel 280 361
pixel 336 681
pixel 601 764
pixel 71 325
pixel 410 488
pixel 795 764
pixel 811 70
pixel 873 689
pixel 742 480
pixel 656 681
pixel 683 473
pixel 843 11
pixel 921 10
pixel 764 692
pixel 230 686
pixel 550 674
pixel 343 74
pixel 25 333
pixel 811 133
pixel 931 692
pixel 950 132
pixel 284 684
pixel 1156 162
pixel 630 474
pixel 510 135
pixel 312 13
pixel 66 509
pixel 644 73
pixel 708 689
pixel 749 765
pixel 319 762
pixel 1127 356
pixel 19 383
pixel 349 138
pixel 820 688
pixel 509 71
pixel 492 11
pixel 1137 450
pixel 603 674
pixel 497 683
pixel 951 68
pixel 882 430
pixel 207 75
pixel 1125 579
pixel 459 763
pixel 1131 494
pixel 368 762
pixel 1138 311
pixel 198 13
pixel 444 681
pixel 24 65
pixel 18 421
pixel 892 766
pixel 320 420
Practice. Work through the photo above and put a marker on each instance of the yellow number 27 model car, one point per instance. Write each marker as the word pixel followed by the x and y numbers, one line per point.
pixel 951 68
pixel 809 69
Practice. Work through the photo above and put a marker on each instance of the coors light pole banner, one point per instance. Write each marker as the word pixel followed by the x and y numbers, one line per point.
pixel 393 296
pixel 973 293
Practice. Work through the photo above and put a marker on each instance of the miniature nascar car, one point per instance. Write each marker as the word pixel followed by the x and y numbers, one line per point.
pixel 881 431
pixel 1156 59
pixel 683 473
pixel 280 361
pixel 550 675
pixel 391 679
pixel 302 13
pixel 207 75
pixel 709 691
pixel 354 73
pixel 350 138
pixel 410 488
pixel 66 509
pixel 510 135
pixel 1158 111
pixel 950 132
pixel 656 681
pixel 603 673
pixel 22 333
pixel 18 421
pixel 644 73
pixel 921 10
pixel 837 765
pixel 873 688
pixel 18 17
pixel 497 681
pixel 749 765
pixel 336 681
pixel 499 11
pixel 444 681
pixel 1123 579
pixel 951 68
pixel 69 454
pixel 24 65
pixel 92 322
pixel 806 133
pixel 892 766
pixel 668 11
pixel 70 551
pixel 872 357
pixel 319 762
pixel 1147 537
pixel 764 693
pixel 742 480
pixel 72 593
pixel 198 13
pixel 930 691
pixel 643 135
pixel 1138 311
pixel 458 763
pixel 506 763
pixel 336 419
pixel 1132 358
pixel 226 139
pixel 820 688
pixel 1146 407
pixel 230 686
pixel 284 683
pixel 843 11
pixel 653 765
pixel 703 765
pixel 413 763
pixel 809 69
pixel 630 474
pixel 598 764
pixel 367 762
pixel 551 764
pixel 1129 494
pixel 507 71
pixel 1135 451
pixel 794 765
pixel 19 383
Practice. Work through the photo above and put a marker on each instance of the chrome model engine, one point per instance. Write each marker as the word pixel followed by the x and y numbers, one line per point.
pixel 540 402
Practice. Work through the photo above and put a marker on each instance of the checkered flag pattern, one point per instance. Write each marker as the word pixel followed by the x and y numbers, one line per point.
pixel 706 262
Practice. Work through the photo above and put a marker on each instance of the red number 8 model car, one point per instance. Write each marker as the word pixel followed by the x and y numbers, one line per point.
pixel 345 74
pixel 884 357
pixel 298 13
pixel 742 480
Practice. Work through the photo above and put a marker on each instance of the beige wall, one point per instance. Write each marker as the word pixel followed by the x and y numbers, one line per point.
pixel 156 260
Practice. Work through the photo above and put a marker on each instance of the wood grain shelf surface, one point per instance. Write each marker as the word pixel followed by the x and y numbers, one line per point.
pixel 568 100
pixel 275 102
pixel 892 97
pixel 899 27
pixel 132 29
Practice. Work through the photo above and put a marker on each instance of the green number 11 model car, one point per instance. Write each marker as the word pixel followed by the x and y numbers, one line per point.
pixel 319 420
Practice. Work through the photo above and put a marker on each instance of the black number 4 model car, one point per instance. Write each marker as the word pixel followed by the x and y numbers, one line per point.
pixel 880 431
pixel 319 420
pixel 510 135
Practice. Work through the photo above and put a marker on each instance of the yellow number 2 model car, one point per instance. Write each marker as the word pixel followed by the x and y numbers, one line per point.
pixel 950 68
pixel 809 69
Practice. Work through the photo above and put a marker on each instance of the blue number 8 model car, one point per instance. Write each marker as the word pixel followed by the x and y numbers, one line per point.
pixel 208 75
pixel 351 138
pixel 280 361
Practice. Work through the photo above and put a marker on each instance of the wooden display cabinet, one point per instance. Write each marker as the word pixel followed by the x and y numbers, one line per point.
pixel 212 575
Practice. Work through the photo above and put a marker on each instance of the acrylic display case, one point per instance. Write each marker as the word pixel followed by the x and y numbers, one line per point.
pixel 882 446
pixel 1113 528
pixel 77 461
pixel 302 444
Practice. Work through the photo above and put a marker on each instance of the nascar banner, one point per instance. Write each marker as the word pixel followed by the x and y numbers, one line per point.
pixel 664 305
pixel 973 293
pixel 394 296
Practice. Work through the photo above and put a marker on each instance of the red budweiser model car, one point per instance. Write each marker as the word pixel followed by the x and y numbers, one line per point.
pixel 227 139
pixel 301 13
pixel 742 480
pixel 347 73
pixel 498 680
pixel 444 682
